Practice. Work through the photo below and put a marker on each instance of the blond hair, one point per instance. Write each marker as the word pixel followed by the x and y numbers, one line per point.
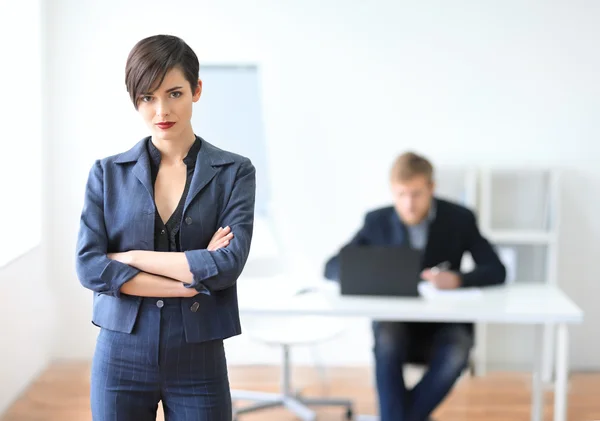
pixel 410 165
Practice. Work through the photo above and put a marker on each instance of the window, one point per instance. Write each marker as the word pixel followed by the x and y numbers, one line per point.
pixel 229 115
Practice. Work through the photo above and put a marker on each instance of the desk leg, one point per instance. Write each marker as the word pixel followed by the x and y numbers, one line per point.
pixel 480 349
pixel 537 392
pixel 548 360
pixel 562 373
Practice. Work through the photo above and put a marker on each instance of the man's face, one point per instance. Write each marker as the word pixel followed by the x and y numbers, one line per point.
pixel 412 198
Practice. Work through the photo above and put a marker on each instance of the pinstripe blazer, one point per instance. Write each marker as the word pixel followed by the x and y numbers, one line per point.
pixel 118 215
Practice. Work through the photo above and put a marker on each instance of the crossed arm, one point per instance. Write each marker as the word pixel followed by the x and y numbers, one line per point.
pixel 164 273
pixel 149 273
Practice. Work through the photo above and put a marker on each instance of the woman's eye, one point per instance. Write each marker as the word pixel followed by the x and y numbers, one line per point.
pixel 175 94
pixel 146 98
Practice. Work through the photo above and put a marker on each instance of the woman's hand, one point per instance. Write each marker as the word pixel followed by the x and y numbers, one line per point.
pixel 220 239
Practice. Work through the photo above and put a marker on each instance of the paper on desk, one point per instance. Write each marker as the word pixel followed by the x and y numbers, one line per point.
pixel 428 291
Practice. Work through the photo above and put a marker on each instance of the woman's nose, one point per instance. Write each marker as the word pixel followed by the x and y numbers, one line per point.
pixel 162 110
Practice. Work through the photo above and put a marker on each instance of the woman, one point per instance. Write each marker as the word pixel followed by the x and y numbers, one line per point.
pixel 152 249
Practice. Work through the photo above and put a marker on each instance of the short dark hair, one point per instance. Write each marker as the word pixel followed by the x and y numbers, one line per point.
pixel 151 59
pixel 409 165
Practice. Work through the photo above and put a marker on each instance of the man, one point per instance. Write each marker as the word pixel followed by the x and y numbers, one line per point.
pixel 444 231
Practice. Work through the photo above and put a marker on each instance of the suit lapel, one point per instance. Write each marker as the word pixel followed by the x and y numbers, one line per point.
pixel 400 237
pixel 203 174
pixel 399 232
pixel 141 170
pixel 436 238
pixel 209 159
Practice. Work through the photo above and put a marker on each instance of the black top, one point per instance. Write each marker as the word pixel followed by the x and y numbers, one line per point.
pixel 166 235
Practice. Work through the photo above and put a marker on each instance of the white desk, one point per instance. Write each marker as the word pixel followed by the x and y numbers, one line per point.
pixel 523 304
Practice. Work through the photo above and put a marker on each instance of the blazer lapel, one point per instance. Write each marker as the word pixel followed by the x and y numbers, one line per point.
pixel 207 163
pixel 203 173
pixel 142 171
pixel 399 233
pixel 209 159
pixel 436 238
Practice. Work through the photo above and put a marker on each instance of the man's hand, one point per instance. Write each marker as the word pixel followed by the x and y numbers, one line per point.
pixel 441 279
pixel 220 239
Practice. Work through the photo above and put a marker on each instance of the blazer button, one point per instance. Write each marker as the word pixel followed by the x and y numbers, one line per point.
pixel 195 307
pixel 188 220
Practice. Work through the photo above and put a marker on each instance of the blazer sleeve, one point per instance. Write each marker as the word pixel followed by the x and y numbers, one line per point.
pixel 220 269
pixel 332 267
pixel 94 269
pixel 489 270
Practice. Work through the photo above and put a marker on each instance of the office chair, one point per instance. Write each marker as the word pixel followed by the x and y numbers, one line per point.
pixel 287 332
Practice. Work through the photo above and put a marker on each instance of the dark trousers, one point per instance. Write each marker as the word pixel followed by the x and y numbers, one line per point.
pixel 131 373
pixel 444 347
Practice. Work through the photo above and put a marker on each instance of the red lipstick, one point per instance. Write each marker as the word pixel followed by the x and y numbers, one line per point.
pixel 165 125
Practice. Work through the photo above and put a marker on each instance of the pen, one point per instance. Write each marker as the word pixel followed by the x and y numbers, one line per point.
pixel 440 267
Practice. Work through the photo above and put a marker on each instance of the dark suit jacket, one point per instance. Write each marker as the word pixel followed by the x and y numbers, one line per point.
pixel 118 215
pixel 453 232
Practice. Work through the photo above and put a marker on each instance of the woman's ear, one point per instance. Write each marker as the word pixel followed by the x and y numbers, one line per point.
pixel 198 91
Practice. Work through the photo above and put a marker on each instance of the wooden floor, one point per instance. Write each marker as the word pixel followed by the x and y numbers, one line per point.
pixel 61 394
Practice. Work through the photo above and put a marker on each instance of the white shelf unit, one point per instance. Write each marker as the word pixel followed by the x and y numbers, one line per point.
pixel 519 208
pixel 457 184
pixel 461 185
pixel 522 236
pixel 519 211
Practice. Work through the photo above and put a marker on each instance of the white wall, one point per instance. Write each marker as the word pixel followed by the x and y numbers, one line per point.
pixel 21 113
pixel 26 322
pixel 347 86
pixel 26 313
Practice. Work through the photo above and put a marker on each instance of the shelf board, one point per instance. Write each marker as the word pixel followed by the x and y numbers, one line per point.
pixel 521 236
pixel 528 282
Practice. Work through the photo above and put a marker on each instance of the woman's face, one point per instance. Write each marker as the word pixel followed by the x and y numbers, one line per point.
pixel 168 110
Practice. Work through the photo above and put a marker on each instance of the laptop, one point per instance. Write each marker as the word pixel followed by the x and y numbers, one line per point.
pixel 380 270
